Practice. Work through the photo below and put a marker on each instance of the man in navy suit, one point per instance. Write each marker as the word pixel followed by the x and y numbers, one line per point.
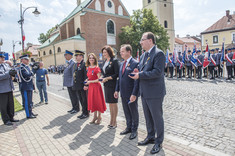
pixel 152 90
pixel 129 89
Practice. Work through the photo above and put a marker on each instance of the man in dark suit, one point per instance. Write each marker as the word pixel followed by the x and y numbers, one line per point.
pixel 129 89
pixel 68 81
pixel 79 76
pixel 152 90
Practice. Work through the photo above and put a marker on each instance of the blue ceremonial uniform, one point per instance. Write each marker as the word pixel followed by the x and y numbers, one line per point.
pixel 212 66
pixel 180 59
pixel 220 70
pixel 188 64
pixel 199 65
pixel 229 65
pixel 26 88
pixel 128 87
pixel 171 66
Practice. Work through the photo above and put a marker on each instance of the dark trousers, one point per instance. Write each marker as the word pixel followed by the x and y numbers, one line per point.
pixel 205 72
pixel 229 70
pixel 131 114
pixel 179 71
pixel 212 71
pixel 233 71
pixel 220 71
pixel 73 98
pixel 154 118
pixel 28 94
pixel 171 71
pixel 199 71
pixel 183 71
pixel 189 71
pixel 83 100
pixel 7 106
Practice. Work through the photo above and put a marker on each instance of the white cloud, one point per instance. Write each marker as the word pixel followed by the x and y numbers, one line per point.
pixel 56 3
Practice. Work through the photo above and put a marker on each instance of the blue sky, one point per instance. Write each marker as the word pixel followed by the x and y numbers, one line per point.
pixel 191 17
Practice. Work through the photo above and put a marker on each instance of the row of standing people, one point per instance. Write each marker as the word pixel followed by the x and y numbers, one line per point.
pixel 56 69
pixel 215 68
pixel 131 79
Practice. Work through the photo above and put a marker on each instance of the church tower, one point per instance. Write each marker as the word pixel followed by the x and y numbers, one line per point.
pixel 164 11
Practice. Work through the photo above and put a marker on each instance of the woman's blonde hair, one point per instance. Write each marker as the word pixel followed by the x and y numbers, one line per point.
pixel 94 56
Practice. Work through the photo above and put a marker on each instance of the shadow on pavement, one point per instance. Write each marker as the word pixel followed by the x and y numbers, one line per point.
pixel 85 136
pixel 103 144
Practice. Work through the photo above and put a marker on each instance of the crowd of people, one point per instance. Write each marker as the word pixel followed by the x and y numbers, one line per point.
pixel 212 64
pixel 56 69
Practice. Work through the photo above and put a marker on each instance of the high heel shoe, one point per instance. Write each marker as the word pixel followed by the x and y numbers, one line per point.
pixel 93 121
pixel 98 121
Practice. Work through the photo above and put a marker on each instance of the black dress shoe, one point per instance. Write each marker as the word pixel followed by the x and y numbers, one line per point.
pixel 13 120
pixel 133 135
pixel 74 111
pixel 8 123
pixel 156 148
pixel 84 116
pixel 146 141
pixel 31 117
pixel 126 131
pixel 70 111
pixel 80 116
pixel 34 114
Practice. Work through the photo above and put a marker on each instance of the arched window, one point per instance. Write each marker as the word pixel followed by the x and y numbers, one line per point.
pixel 120 10
pixel 165 24
pixel 110 27
pixel 78 31
pixel 149 1
pixel 97 5
pixel 59 50
pixel 50 52
pixel 44 53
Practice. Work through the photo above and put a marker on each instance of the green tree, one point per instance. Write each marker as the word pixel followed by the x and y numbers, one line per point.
pixel 143 21
pixel 43 37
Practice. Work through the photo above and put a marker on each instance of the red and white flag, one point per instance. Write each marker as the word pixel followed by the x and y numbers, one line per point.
pixel 206 61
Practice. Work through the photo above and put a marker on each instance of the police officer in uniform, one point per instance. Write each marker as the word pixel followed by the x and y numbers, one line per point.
pixel 178 64
pixel 68 81
pixel 26 86
pixel 188 64
pixel 200 59
pixel 79 76
pixel 6 91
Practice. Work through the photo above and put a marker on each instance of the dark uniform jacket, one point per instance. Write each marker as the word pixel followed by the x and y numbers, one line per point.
pixel 26 78
pixel 79 75
pixel 188 61
pixel 214 57
pixel 201 59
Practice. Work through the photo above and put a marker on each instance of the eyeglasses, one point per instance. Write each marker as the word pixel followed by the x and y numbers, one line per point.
pixel 143 39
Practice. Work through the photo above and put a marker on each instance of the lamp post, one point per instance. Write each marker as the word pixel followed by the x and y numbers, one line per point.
pixel 13 53
pixel 21 21
pixel 1 43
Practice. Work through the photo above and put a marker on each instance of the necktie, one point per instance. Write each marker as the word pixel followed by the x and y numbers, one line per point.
pixel 78 64
pixel 146 56
pixel 123 67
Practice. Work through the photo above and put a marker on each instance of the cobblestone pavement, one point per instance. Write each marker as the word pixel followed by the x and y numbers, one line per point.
pixel 199 111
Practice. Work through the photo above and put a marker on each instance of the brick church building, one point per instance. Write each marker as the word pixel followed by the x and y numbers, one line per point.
pixel 90 26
